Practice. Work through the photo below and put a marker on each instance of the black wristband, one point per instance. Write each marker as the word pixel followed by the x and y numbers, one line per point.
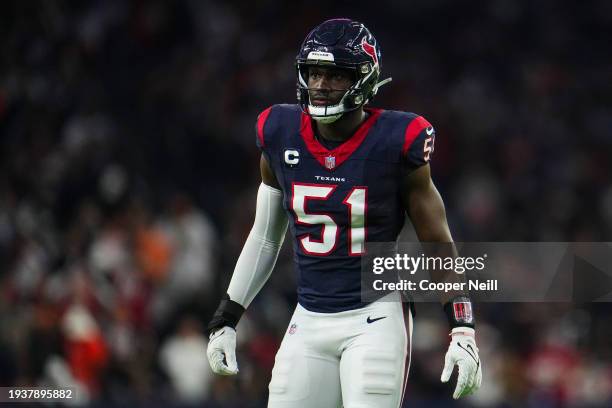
pixel 227 314
pixel 459 312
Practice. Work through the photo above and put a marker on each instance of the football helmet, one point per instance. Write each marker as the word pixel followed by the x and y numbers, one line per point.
pixel 345 44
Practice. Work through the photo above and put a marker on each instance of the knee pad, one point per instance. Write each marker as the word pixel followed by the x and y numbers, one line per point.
pixel 285 384
pixel 380 372
pixel 280 374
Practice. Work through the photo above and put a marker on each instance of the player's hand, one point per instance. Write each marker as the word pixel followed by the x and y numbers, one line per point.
pixel 463 353
pixel 221 351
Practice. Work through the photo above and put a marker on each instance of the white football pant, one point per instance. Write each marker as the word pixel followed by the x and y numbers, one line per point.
pixel 353 359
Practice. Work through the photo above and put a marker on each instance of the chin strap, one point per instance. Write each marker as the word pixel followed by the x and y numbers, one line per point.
pixel 327 119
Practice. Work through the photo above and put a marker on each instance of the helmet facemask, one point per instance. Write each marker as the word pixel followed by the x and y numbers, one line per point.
pixel 358 94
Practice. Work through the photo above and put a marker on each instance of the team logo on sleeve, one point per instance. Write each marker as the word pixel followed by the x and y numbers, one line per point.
pixel 292 157
pixel 292 328
pixel 330 162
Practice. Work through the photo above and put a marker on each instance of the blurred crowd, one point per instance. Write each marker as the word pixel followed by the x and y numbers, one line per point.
pixel 128 173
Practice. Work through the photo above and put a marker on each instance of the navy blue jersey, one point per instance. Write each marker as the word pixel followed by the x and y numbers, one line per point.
pixel 339 199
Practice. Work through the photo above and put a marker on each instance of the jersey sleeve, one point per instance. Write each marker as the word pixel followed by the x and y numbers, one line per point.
pixel 260 128
pixel 419 138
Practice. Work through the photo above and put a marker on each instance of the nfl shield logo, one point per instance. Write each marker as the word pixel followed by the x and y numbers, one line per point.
pixel 330 162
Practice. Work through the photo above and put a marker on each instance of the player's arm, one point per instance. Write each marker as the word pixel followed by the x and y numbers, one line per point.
pixel 252 270
pixel 267 175
pixel 425 208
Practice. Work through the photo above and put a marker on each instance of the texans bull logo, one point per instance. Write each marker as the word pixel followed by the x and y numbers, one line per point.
pixel 370 50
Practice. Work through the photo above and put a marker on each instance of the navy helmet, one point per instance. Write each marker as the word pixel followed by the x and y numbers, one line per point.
pixel 346 44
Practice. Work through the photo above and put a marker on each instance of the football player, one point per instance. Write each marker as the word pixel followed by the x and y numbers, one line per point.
pixel 338 174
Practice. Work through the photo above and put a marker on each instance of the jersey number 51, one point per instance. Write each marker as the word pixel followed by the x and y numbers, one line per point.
pixel 355 201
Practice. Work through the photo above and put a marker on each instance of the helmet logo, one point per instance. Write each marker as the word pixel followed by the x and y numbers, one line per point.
pixel 370 50
pixel 320 55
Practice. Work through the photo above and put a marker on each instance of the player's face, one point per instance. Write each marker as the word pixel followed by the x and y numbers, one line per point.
pixel 327 85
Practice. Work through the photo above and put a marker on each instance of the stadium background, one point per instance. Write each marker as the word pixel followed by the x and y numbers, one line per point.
pixel 128 173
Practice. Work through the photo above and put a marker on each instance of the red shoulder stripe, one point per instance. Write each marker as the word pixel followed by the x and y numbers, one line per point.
pixel 412 131
pixel 261 121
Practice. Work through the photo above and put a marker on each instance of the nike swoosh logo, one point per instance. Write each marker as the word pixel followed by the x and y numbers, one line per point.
pixel 374 320
pixel 471 352
pixel 216 334
pixel 429 131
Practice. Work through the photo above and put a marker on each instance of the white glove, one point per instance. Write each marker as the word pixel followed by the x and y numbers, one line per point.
pixel 221 351
pixel 463 352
